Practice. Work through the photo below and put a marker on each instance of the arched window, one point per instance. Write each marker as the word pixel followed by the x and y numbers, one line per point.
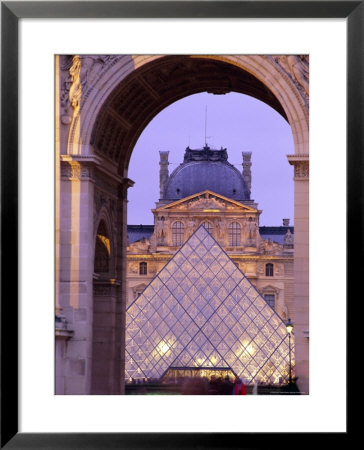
pixel 234 234
pixel 143 268
pixel 177 233
pixel 207 225
pixel 102 250
pixel 269 270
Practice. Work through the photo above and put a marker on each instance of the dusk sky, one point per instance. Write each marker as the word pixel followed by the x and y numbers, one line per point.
pixel 236 122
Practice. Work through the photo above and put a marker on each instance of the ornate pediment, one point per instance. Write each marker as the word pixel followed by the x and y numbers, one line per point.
pixel 206 201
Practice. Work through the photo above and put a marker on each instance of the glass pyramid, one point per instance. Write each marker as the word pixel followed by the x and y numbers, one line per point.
pixel 200 311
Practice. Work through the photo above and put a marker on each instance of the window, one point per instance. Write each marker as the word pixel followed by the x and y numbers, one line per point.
pixel 269 270
pixel 270 299
pixel 177 233
pixel 234 234
pixel 143 268
pixel 137 290
pixel 207 226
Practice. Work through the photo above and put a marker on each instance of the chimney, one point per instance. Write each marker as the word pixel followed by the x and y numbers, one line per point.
pixel 163 172
pixel 246 169
pixel 286 222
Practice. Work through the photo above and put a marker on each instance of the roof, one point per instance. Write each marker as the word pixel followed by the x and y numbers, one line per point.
pixel 275 230
pixel 206 169
pixel 138 232
pixel 276 234
pixel 205 154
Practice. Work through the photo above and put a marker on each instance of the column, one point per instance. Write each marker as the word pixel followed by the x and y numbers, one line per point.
pixel 300 316
pixel 75 270
pixel 247 174
pixel 122 270
pixel 163 172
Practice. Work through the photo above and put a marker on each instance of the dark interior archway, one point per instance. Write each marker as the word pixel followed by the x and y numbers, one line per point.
pixel 151 88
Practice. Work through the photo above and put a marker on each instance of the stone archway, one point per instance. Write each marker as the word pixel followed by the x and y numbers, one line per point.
pixel 104 104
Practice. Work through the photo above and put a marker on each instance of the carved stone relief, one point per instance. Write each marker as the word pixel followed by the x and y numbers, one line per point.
pixel 206 202
pixel 74 170
pixel 160 230
pixel 260 268
pixel 66 64
pixel 133 267
pixel 191 226
pixel 297 68
pixel 301 169
pixel 269 247
pixel 288 240
pixel 252 228
pixel 80 73
pixel 221 228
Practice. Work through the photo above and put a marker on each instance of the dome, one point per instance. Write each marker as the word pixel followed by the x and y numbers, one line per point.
pixel 206 169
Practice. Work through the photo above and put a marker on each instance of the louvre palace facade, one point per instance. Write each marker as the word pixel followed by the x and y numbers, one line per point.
pixel 181 294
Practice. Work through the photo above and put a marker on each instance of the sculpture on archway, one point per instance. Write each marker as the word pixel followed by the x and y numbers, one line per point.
pixel 297 67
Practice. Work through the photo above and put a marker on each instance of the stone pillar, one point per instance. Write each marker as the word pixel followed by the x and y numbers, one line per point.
pixel 163 172
pixel 74 280
pixel 121 269
pixel 109 289
pixel 300 317
pixel 247 174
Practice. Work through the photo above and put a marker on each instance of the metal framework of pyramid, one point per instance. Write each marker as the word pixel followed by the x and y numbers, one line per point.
pixel 201 311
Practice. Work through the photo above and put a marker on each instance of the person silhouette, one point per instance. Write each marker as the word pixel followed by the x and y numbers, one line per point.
pixel 239 387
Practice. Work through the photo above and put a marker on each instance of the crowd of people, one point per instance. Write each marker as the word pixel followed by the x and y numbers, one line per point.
pixel 213 386
pixel 197 385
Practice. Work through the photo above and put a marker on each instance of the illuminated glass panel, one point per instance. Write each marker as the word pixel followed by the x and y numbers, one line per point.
pixel 194 314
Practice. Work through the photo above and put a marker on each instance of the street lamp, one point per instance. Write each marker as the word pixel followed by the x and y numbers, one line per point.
pixel 289 326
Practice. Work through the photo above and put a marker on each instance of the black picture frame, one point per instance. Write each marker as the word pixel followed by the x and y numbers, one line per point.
pixel 11 13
